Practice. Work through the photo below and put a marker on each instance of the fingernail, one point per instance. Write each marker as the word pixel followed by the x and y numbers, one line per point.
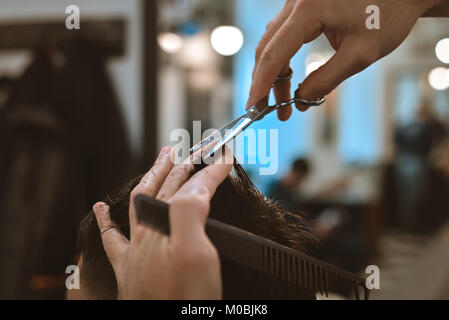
pixel 101 208
pixel 164 151
pixel 104 206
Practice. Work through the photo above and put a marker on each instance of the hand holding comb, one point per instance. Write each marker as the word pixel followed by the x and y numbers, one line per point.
pixel 254 251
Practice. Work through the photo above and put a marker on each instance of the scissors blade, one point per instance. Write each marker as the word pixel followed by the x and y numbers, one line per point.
pixel 230 134
pixel 234 128
pixel 218 133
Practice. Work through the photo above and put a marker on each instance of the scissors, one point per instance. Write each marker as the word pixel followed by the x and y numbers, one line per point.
pixel 257 112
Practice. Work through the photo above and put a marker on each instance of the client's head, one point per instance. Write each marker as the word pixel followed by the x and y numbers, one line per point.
pixel 236 202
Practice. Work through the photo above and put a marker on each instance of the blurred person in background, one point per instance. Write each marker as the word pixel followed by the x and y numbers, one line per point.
pixel 287 190
pixel 439 200
pixel 414 177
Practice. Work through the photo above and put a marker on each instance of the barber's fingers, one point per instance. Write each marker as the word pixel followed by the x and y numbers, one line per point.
pixel 281 89
pixel 151 182
pixel 114 242
pixel 300 27
pixel 176 178
pixel 271 29
pixel 349 59
pixel 183 171
pixel 190 206
pixel 282 93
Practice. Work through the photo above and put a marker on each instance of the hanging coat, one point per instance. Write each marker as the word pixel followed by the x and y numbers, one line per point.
pixel 63 146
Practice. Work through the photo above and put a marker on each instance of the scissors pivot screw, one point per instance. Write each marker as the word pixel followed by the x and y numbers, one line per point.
pixel 253 110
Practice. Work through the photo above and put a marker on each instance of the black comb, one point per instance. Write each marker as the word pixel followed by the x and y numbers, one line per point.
pixel 255 252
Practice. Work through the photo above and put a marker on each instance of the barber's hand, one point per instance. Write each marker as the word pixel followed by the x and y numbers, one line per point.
pixel 184 265
pixel 343 23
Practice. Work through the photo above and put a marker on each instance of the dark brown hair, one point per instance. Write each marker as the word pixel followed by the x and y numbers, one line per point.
pixel 237 202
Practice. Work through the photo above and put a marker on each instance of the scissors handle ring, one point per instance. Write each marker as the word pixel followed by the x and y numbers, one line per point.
pixel 311 103
pixel 287 77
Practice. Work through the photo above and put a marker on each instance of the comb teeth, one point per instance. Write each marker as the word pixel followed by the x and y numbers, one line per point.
pixel 281 260
pixel 304 273
pixel 297 268
pixel 366 290
pixel 326 283
pixel 321 281
pixel 276 266
pixel 294 269
pixel 304 268
pixel 356 291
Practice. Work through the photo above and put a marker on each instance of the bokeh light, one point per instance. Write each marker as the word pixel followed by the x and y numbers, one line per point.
pixel 170 42
pixel 438 78
pixel 227 40
pixel 442 50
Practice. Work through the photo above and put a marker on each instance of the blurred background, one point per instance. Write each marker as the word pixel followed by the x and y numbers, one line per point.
pixel 82 111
